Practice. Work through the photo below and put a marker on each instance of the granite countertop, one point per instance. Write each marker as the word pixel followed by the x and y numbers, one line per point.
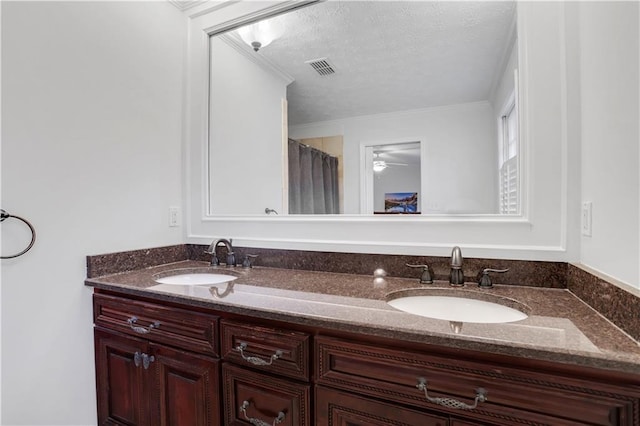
pixel 560 327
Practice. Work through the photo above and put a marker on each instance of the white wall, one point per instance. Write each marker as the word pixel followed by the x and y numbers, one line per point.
pixel 91 155
pixel 246 133
pixel 461 152
pixel 506 85
pixel 610 91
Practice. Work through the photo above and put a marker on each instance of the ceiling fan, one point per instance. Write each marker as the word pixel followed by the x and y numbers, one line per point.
pixel 381 164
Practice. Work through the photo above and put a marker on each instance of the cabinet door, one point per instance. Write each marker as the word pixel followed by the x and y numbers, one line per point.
pixel 121 385
pixel 338 408
pixel 187 386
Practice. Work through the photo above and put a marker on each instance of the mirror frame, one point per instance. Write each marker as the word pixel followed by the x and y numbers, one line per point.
pixel 539 233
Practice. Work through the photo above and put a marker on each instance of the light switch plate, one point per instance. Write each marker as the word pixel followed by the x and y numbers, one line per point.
pixel 587 209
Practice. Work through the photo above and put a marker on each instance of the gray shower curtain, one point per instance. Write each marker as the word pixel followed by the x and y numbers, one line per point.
pixel 313 181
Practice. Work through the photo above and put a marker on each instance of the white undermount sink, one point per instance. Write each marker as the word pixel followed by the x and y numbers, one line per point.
pixel 190 279
pixel 457 308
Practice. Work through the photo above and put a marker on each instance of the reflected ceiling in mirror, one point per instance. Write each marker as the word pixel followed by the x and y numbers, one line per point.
pixel 439 72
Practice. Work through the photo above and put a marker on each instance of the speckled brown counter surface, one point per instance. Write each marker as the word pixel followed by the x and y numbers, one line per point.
pixel 560 327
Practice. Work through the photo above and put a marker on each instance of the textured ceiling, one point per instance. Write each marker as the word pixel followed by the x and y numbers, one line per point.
pixel 390 55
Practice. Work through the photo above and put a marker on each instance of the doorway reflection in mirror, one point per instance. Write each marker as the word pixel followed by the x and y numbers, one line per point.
pixel 396 176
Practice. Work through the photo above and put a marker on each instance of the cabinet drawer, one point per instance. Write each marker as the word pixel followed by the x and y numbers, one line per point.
pixel 251 395
pixel 340 408
pixel 270 349
pixel 176 327
pixel 514 396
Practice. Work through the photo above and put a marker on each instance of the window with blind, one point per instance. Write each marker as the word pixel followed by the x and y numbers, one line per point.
pixel 509 197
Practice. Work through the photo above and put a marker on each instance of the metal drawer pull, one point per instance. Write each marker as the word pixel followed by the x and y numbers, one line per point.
pixel 258 422
pixel 139 329
pixel 481 396
pixel 144 359
pixel 254 359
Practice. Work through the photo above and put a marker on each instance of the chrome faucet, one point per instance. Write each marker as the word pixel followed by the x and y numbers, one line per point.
pixel 456 276
pixel 231 258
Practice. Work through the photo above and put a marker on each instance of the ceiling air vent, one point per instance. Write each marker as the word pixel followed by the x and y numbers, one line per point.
pixel 322 66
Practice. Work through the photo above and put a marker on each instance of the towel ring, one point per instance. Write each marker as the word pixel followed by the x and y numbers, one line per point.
pixel 4 215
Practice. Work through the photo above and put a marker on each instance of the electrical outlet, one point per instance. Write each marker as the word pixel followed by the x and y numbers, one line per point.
pixel 587 208
pixel 174 216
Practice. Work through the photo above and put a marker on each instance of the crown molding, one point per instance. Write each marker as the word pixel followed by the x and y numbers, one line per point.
pixel 183 5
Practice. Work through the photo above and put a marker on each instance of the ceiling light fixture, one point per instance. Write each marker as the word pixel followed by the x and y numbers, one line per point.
pixel 259 34
pixel 379 165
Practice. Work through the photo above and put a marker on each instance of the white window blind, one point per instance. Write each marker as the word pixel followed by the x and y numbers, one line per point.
pixel 509 199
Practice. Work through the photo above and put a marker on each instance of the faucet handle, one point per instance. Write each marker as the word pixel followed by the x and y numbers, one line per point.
pixel 247 262
pixel 485 279
pixel 427 276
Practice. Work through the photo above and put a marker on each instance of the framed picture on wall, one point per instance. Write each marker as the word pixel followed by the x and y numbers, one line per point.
pixel 401 202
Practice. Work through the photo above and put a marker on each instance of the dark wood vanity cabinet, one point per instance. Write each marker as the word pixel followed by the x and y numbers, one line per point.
pixel 515 394
pixel 171 367
pixel 265 375
pixel 142 382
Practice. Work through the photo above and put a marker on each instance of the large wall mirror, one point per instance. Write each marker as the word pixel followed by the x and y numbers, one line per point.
pixel 310 110
pixel 237 143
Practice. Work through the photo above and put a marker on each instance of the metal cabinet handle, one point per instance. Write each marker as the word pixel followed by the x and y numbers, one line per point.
pixel 143 359
pixel 258 422
pixel 481 396
pixel 255 360
pixel 139 329
pixel 147 360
